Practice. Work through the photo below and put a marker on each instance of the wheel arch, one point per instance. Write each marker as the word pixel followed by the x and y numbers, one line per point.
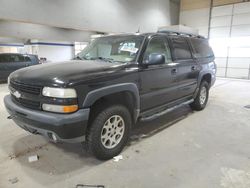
pixel 128 90
pixel 207 75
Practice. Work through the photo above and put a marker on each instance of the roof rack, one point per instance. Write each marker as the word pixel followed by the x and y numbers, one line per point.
pixel 169 32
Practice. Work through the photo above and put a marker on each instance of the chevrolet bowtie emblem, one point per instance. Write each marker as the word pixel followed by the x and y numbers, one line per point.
pixel 17 94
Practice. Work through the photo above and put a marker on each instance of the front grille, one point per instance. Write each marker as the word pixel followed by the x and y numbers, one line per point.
pixel 27 103
pixel 28 94
pixel 35 90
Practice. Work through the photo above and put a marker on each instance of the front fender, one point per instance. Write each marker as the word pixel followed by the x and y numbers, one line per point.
pixel 94 95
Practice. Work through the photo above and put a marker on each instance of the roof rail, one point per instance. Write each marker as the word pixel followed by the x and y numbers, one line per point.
pixel 169 32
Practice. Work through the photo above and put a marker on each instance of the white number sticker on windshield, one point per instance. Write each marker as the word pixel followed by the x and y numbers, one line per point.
pixel 129 49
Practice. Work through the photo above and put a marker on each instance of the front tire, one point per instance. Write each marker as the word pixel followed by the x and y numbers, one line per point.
pixel 109 132
pixel 201 99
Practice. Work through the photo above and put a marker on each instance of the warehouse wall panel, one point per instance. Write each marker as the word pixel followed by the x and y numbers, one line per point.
pixel 242 8
pixel 241 19
pixel 240 30
pixel 197 18
pixel 239 52
pixel 221 21
pixel 229 33
pixel 221 72
pixel 221 61
pixel 219 32
pixel 231 39
pixel 225 2
pixel 239 62
pixel 220 51
pixel 55 53
pixel 237 73
pixel 203 31
pixel 222 10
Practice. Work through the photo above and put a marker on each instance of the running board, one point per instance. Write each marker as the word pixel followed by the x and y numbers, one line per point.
pixel 154 116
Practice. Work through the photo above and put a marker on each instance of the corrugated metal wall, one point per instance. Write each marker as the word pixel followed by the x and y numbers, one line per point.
pixel 230 39
pixel 195 14
pixel 228 26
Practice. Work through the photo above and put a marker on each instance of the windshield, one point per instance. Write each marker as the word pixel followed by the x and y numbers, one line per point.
pixel 113 49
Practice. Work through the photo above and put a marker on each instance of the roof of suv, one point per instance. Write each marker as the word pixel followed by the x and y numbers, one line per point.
pixel 169 33
pixel 17 54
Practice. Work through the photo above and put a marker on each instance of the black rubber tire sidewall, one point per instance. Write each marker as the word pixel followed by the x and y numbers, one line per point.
pixel 196 105
pixel 94 133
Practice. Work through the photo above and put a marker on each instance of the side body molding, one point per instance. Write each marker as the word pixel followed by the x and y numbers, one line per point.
pixel 94 95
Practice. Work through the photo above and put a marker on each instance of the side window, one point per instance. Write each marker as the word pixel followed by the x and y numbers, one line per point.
pixel 14 58
pixel 201 48
pixel 27 59
pixel 1 59
pixel 181 50
pixel 158 45
pixel 5 58
pixel 20 58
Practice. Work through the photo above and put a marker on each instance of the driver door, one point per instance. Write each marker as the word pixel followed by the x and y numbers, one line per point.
pixel 158 82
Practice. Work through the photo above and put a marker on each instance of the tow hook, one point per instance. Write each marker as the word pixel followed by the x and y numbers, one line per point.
pixel 11 117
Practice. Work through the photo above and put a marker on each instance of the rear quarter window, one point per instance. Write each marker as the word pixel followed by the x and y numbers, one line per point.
pixel 201 48
pixel 181 49
pixel 27 58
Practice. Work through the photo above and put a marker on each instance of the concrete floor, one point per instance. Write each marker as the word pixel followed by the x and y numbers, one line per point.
pixel 184 149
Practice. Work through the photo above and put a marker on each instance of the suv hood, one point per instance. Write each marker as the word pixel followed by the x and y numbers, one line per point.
pixel 63 73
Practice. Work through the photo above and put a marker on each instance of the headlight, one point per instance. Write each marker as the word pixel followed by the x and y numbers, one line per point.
pixel 59 92
pixel 60 108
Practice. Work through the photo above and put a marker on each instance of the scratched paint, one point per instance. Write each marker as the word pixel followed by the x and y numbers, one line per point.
pixel 233 178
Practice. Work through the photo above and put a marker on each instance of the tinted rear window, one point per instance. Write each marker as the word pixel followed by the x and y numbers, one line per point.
pixel 181 48
pixel 201 48
pixel 26 58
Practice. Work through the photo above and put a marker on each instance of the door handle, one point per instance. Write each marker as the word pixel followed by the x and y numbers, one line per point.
pixel 193 68
pixel 173 71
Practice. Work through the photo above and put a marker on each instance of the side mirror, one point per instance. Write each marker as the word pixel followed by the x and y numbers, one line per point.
pixel 155 59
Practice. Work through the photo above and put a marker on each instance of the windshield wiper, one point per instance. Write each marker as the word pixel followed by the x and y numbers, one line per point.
pixel 104 59
pixel 80 58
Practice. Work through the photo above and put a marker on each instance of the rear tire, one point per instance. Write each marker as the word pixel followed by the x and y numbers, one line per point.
pixel 201 99
pixel 109 132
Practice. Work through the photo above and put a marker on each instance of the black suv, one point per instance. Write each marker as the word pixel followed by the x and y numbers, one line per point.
pixel 9 62
pixel 114 82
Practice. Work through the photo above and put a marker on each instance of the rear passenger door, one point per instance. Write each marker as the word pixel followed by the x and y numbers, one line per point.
pixel 158 82
pixel 188 70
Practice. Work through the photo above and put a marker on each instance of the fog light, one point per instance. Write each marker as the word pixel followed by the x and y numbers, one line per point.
pixel 54 137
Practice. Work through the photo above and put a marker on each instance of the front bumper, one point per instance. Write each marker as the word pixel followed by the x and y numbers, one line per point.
pixel 66 127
